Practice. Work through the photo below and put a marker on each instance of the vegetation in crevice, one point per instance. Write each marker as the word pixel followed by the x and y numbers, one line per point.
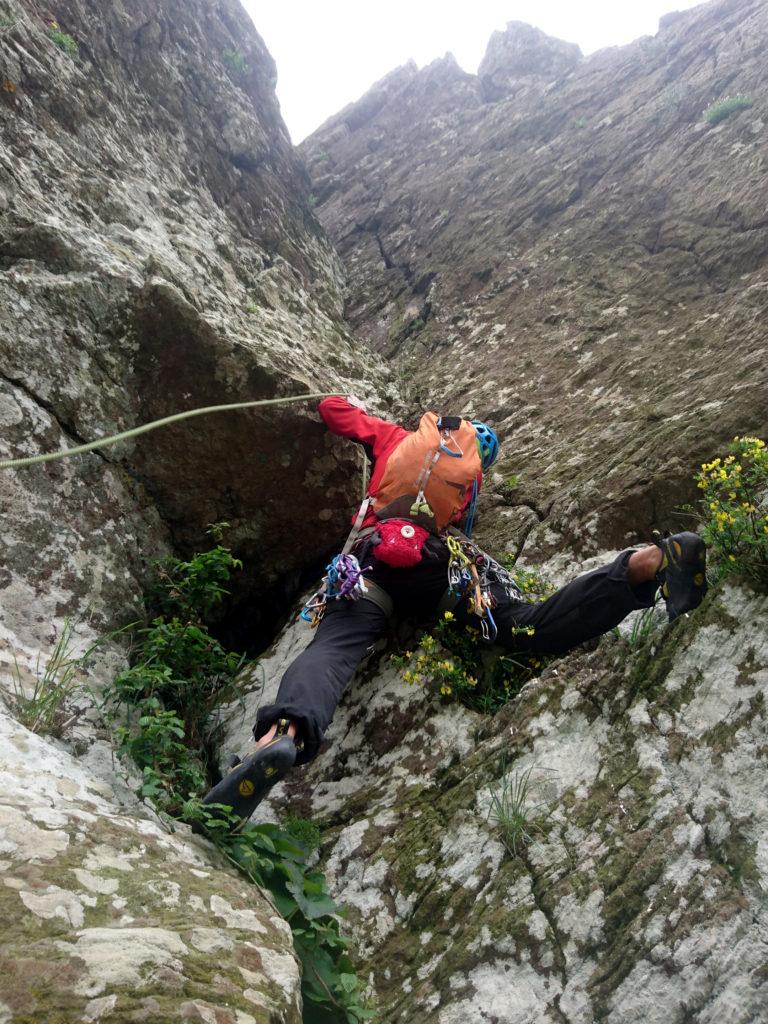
pixel 509 809
pixel 163 712
pixel 235 62
pixel 734 510
pixel 41 698
pixel 455 658
pixel 719 111
pixel 65 42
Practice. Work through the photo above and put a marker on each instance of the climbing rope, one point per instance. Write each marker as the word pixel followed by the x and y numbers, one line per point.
pixel 102 442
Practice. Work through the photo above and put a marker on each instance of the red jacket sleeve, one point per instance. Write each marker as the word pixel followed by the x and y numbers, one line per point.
pixel 348 421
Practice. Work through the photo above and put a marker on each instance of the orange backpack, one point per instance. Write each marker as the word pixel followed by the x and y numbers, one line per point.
pixel 429 474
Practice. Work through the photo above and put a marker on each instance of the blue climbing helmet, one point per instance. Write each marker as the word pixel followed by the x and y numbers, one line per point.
pixel 487 444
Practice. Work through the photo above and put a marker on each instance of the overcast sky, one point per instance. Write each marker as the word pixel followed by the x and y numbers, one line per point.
pixel 329 52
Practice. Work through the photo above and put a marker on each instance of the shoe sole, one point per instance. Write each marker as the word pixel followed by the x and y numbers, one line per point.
pixel 683 595
pixel 246 785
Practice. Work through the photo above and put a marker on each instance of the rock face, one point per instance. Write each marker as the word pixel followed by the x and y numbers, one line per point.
pixel 568 249
pixel 158 253
pixel 643 893
pixel 108 917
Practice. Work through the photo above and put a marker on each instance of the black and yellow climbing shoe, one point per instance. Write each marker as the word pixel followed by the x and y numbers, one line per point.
pixel 248 782
pixel 683 572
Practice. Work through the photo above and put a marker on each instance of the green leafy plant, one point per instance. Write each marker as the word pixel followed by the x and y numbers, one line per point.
pixel 717 112
pixel 510 811
pixel 193 589
pixel 179 672
pixel 532 585
pixel 312 200
pixel 177 676
pixel 235 62
pixel 509 486
pixel 63 40
pixel 456 660
pixel 158 745
pixel 734 502
pixel 304 832
pixel 416 325
pixel 40 700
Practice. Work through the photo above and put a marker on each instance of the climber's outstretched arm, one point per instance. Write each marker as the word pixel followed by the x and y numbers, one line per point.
pixel 348 420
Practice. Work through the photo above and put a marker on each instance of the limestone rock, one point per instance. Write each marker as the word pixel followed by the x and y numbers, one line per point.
pixel 158 253
pixel 642 894
pixel 562 246
pixel 108 915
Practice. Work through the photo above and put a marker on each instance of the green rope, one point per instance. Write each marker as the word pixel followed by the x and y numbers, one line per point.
pixel 145 428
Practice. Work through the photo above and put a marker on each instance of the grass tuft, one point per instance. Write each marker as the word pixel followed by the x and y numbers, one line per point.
pixel 510 812
pixel 41 704
pixel 63 40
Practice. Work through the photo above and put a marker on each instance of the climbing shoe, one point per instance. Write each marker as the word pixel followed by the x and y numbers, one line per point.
pixel 248 781
pixel 683 572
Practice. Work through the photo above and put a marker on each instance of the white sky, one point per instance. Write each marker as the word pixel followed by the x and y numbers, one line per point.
pixel 329 52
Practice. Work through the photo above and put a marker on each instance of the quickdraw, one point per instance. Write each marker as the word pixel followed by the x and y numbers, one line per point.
pixel 343 578
pixel 470 574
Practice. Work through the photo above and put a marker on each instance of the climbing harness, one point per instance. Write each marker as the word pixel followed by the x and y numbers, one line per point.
pixel 413 499
pixel 343 578
pixel 124 435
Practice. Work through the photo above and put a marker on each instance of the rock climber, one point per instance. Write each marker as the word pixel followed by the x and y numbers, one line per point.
pixel 406 553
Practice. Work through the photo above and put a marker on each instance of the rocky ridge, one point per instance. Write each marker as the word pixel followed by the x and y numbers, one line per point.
pixel 565 247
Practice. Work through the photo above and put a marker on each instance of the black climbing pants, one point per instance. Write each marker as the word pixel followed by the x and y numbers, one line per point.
pixel 313 684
